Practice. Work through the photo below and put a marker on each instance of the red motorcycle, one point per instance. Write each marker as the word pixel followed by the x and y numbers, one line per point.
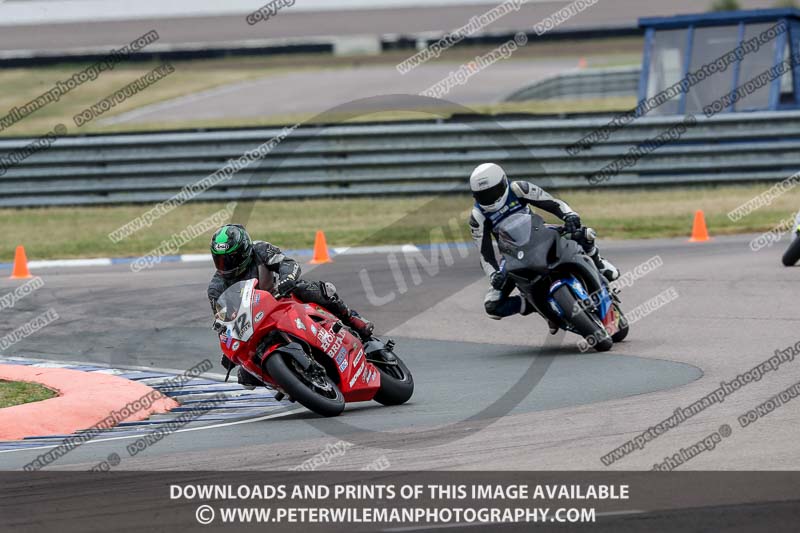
pixel 306 353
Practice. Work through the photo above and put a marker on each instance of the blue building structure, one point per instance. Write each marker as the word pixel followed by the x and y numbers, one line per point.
pixel 677 48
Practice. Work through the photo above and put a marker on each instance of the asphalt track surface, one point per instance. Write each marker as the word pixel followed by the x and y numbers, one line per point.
pixel 299 92
pixel 490 395
pixel 224 30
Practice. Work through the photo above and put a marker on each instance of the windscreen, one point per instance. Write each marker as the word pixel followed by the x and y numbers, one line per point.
pixel 233 309
pixel 514 231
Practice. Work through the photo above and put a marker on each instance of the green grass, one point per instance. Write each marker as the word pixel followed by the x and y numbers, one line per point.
pixel 17 392
pixel 65 232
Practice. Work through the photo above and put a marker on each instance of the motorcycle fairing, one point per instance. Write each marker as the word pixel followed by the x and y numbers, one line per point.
pixel 309 324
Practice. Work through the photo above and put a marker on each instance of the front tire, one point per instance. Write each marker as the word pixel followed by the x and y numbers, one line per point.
pixel 397 383
pixel 792 254
pixel 318 394
pixel 589 328
pixel 624 326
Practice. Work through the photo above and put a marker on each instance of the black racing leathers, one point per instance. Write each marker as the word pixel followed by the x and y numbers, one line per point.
pixel 279 267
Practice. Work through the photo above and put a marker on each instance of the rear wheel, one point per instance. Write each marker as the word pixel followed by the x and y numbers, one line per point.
pixel 589 327
pixel 397 384
pixel 792 254
pixel 312 388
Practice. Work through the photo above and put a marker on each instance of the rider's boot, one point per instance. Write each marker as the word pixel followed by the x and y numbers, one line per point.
pixel 606 268
pixel 553 327
pixel 361 325
pixel 350 318
pixel 247 380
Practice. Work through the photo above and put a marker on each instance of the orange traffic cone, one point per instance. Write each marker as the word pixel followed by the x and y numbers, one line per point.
pixel 699 230
pixel 321 254
pixel 20 270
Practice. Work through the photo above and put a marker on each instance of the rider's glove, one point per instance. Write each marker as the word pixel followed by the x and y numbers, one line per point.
pixel 572 223
pixel 286 285
pixel 497 279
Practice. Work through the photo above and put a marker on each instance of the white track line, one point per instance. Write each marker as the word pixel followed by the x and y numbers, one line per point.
pixel 225 424
pixel 151 369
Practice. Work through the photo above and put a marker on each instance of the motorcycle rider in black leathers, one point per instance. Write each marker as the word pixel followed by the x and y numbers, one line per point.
pixel 238 258
pixel 495 199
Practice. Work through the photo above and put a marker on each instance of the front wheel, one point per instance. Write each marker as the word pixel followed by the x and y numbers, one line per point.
pixel 588 326
pixel 397 383
pixel 792 254
pixel 623 326
pixel 311 388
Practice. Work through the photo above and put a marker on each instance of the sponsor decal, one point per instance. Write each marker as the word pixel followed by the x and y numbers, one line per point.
pixel 358 356
pixel 235 346
pixel 341 359
pixel 221 246
pixel 313 329
pixel 259 316
pixel 330 343
pixel 357 375
pixel 299 324
pixel 369 376
pixel 257 297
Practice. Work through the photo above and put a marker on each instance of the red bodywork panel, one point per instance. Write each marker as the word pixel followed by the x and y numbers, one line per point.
pixel 358 379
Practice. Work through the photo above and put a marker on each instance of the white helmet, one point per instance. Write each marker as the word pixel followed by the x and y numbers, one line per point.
pixel 489 186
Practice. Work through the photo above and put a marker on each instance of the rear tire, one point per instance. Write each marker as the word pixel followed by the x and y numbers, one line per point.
pixel 397 383
pixel 792 254
pixel 285 375
pixel 589 328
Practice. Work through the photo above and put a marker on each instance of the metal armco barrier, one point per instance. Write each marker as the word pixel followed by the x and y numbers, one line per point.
pixel 396 159
pixel 593 83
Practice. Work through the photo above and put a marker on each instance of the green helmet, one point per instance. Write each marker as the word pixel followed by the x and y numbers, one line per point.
pixel 232 250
